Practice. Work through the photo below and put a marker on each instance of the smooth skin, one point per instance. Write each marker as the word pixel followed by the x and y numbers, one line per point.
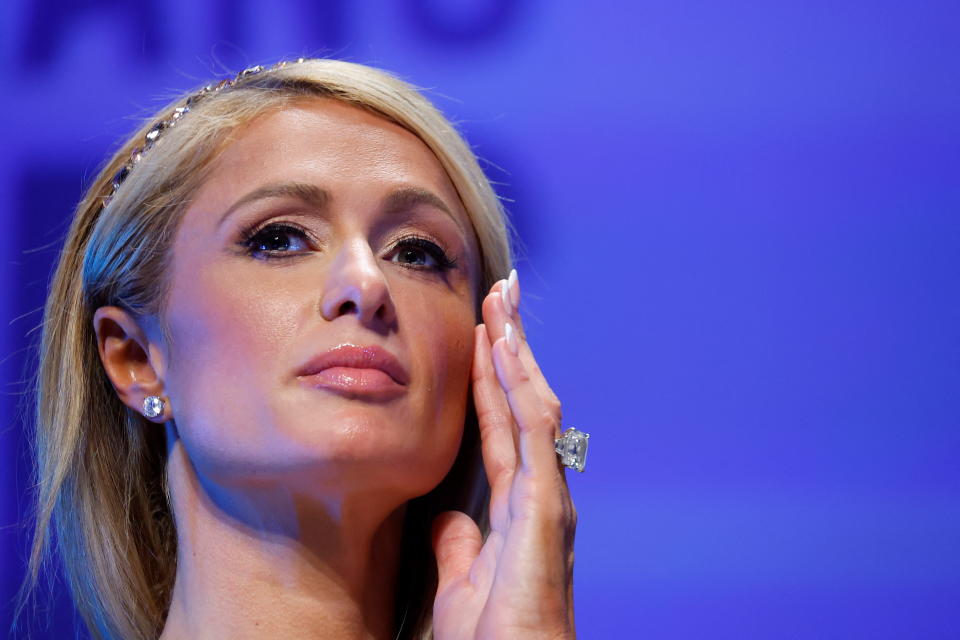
pixel 288 499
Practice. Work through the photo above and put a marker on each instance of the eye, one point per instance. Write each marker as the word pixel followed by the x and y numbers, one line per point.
pixel 275 240
pixel 419 253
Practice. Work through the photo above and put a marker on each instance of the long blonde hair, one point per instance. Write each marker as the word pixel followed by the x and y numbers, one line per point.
pixel 100 469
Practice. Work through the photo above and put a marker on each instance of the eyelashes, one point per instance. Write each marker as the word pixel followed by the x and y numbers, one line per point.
pixel 264 241
pixel 282 241
pixel 422 253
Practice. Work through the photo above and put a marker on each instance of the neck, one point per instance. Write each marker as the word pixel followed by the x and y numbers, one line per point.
pixel 275 563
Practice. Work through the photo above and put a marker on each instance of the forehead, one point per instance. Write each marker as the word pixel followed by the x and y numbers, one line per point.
pixel 332 144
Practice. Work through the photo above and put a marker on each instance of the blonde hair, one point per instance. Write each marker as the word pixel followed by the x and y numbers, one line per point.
pixel 100 466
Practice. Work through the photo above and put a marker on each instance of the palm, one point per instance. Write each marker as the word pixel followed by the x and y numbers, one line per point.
pixel 516 583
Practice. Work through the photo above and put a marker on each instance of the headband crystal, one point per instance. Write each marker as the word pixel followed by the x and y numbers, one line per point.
pixel 154 133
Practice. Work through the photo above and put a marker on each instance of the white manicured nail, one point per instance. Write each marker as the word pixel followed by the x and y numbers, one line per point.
pixel 513 286
pixel 511 335
pixel 505 296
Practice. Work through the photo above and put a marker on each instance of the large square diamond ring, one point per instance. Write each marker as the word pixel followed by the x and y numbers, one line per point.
pixel 572 448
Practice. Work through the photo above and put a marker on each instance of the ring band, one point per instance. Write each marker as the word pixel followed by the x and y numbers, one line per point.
pixel 571 446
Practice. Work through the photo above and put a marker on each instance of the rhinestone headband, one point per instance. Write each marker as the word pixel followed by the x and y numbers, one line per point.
pixel 151 137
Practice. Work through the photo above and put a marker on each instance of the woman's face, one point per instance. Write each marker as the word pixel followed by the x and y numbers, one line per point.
pixel 323 235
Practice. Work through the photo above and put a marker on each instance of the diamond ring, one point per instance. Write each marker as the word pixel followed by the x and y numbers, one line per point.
pixel 571 446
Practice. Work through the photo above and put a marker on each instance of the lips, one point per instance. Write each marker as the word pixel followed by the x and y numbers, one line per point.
pixel 356 371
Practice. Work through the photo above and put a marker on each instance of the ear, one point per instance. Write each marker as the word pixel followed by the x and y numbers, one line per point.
pixel 132 362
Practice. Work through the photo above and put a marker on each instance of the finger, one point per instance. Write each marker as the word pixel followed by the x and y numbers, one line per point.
pixel 497 430
pixel 537 420
pixel 456 543
pixel 497 312
pixel 548 405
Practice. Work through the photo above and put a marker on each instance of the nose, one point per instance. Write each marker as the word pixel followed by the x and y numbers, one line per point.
pixel 355 284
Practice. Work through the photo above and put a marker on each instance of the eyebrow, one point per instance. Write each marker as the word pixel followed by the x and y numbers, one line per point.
pixel 402 199
pixel 412 197
pixel 307 193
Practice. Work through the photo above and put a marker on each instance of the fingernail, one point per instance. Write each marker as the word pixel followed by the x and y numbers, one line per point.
pixel 511 335
pixel 513 285
pixel 505 296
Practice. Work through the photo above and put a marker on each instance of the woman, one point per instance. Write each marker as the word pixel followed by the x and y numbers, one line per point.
pixel 276 346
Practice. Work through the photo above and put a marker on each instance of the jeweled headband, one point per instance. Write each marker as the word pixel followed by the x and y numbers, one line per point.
pixel 154 133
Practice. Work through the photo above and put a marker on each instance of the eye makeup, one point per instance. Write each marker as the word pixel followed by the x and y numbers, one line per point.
pixel 422 253
pixel 265 241
pixel 284 240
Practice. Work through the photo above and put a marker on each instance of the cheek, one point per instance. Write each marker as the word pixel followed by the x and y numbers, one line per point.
pixel 227 321
pixel 447 348
pixel 440 340
pixel 452 353
pixel 224 366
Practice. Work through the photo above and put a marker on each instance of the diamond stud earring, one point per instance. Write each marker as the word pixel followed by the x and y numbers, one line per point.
pixel 152 406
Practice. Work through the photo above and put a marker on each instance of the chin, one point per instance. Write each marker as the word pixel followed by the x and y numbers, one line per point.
pixel 330 445
pixel 364 446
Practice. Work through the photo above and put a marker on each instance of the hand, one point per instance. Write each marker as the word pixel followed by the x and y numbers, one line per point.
pixel 519 582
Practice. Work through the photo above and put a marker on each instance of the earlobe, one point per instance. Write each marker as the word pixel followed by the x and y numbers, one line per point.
pixel 129 362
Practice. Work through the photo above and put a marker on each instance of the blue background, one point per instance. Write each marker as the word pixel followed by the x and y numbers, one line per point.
pixel 740 270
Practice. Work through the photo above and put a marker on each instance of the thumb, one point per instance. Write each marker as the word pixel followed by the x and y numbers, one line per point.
pixel 456 544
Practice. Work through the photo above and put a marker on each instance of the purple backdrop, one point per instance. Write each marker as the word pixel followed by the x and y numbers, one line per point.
pixel 741 267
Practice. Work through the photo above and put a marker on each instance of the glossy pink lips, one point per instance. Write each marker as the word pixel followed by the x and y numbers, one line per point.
pixel 356 371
